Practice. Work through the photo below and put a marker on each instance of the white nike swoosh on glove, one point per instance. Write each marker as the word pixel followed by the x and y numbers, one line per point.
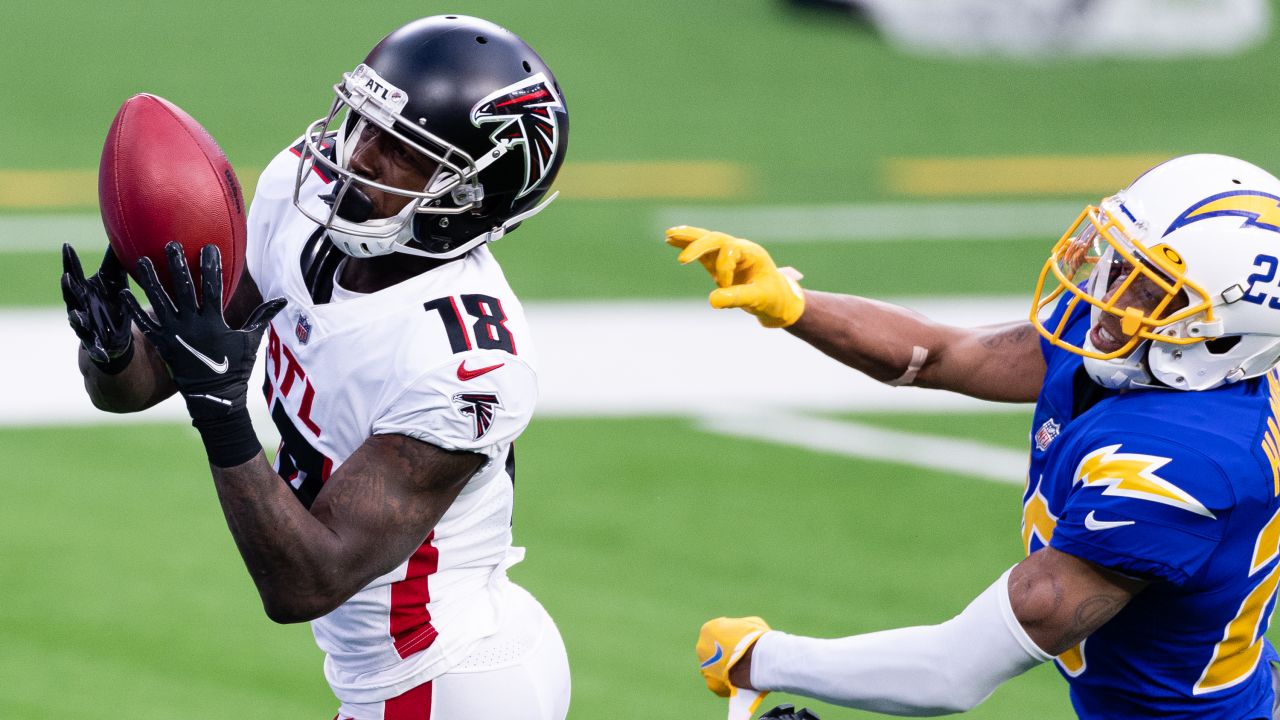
pixel 213 398
pixel 218 367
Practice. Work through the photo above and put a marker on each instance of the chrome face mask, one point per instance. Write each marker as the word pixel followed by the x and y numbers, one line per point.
pixel 364 100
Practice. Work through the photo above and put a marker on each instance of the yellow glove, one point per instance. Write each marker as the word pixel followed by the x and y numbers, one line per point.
pixel 721 644
pixel 746 275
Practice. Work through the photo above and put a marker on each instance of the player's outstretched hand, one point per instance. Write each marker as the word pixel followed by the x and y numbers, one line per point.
pixel 209 362
pixel 95 312
pixel 789 712
pixel 721 644
pixel 746 276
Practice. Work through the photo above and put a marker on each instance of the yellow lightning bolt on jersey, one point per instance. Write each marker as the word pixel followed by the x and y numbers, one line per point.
pixel 1134 475
pixel 1038 522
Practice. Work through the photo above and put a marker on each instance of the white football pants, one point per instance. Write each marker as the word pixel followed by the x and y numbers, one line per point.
pixel 521 672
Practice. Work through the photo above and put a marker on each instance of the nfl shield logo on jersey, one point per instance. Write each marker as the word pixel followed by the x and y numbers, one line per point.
pixel 479 407
pixel 302 329
pixel 1047 432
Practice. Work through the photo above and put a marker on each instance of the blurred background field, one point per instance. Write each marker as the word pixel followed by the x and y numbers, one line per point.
pixel 120 589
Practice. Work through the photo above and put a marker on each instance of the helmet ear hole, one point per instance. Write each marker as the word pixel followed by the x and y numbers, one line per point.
pixel 1221 345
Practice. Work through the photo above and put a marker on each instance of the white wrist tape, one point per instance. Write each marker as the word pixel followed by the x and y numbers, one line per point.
pixel 930 670
pixel 918 356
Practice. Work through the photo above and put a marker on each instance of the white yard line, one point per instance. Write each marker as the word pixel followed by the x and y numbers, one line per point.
pixel 597 359
pixel 594 358
pixel 34 233
pixel 682 357
pixel 1042 221
pixel 853 439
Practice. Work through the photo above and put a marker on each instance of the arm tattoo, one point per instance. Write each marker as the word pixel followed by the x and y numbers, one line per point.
pixel 1008 336
pixel 1092 614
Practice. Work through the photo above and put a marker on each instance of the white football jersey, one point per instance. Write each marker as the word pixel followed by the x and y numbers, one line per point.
pixel 444 357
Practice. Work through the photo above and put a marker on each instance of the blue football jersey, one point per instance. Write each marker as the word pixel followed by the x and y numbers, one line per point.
pixel 1183 489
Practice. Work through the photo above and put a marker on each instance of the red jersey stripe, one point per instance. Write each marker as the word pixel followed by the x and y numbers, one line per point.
pixel 410 623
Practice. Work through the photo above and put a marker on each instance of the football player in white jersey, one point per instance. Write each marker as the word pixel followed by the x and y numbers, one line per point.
pixel 399 372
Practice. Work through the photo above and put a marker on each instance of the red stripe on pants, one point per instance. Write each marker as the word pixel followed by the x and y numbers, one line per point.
pixel 410 623
pixel 413 705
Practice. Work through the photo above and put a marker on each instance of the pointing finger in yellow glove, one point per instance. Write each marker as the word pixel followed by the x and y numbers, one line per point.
pixel 746 275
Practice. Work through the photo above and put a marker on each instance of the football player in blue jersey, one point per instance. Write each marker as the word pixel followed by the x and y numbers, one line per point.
pixel 1151 514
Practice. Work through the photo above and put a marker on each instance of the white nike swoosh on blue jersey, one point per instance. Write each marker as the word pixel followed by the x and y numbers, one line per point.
pixel 1092 523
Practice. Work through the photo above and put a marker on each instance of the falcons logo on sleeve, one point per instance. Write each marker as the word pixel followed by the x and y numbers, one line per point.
pixel 525 115
pixel 479 407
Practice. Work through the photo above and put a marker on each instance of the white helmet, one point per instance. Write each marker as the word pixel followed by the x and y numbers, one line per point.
pixel 1201 235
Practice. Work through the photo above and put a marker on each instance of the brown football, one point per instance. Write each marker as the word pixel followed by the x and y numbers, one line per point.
pixel 163 178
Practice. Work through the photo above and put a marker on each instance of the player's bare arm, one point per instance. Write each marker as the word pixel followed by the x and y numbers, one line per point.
pixel 889 343
pixel 895 345
pixel 371 515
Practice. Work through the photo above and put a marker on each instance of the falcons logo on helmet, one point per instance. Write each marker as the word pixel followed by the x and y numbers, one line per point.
pixel 525 113
pixel 479 407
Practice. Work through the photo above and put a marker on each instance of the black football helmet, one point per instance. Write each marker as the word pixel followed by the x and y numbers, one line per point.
pixel 466 93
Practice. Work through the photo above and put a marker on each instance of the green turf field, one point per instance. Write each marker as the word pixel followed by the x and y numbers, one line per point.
pixel 123 593
pixel 130 592
pixel 808 107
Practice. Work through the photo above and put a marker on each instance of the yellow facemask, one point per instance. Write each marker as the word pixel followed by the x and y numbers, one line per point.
pixel 1103 266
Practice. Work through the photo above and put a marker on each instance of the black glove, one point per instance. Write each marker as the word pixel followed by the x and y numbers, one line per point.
pixel 95 311
pixel 789 712
pixel 209 362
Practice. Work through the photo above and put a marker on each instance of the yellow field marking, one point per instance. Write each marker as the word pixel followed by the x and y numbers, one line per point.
pixel 48 188
pixel 617 180
pixel 711 180
pixel 1014 174
pixel 33 189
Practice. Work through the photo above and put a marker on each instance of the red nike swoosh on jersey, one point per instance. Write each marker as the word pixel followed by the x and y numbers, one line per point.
pixel 464 374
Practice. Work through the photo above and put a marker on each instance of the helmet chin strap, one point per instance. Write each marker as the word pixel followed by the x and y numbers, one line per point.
pixel 371 245
pixel 1128 372
pixel 496 233
pixel 364 246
